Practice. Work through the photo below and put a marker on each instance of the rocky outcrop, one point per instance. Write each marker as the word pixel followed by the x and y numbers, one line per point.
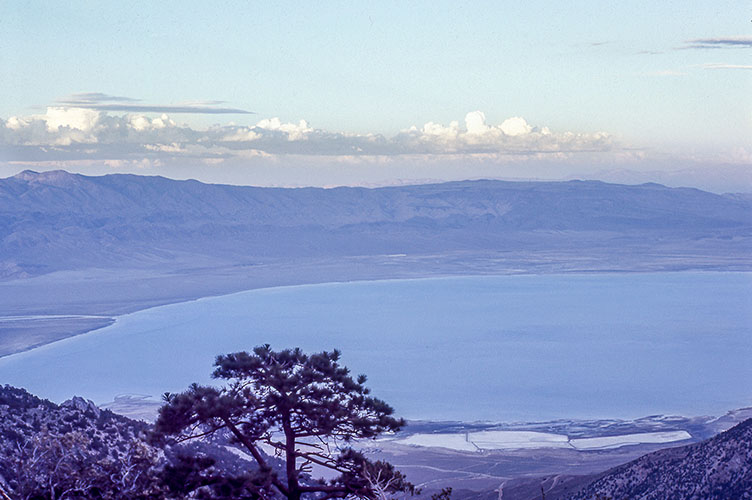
pixel 82 405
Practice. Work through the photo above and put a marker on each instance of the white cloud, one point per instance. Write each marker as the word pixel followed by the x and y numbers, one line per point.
pixel 295 132
pixel 139 122
pixel 515 126
pixel 513 136
pixel 166 148
pixel 436 129
pixel 84 133
pixel 291 131
pixel 475 122
pixel 16 123
pixel 242 134
pixel 76 118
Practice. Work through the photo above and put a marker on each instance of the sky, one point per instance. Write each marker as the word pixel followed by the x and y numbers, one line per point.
pixel 378 93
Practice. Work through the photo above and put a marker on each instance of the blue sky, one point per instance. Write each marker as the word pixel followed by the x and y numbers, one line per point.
pixel 599 86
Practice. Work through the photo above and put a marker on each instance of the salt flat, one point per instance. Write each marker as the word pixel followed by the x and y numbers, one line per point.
pixel 530 440
pixel 449 441
pixel 504 440
pixel 601 443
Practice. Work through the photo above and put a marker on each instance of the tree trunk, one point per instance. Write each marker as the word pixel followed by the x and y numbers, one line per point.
pixel 293 487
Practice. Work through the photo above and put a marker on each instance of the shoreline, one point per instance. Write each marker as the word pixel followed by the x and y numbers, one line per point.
pixel 734 278
pixel 287 276
pixel 421 433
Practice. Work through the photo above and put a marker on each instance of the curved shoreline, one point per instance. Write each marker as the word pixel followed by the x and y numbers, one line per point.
pixel 141 335
pixel 111 294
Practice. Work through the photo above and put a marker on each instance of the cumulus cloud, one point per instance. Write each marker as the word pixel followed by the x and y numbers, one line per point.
pixel 104 102
pixel 724 42
pixel 513 136
pixel 86 133
pixel 72 118
pixel 475 122
pixel 515 126
pixel 294 132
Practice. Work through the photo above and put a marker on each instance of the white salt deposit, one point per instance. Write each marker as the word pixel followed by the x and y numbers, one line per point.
pixel 445 440
pixel 515 440
pixel 519 440
pixel 603 443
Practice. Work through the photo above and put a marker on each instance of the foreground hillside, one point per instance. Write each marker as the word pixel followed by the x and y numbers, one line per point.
pixel 77 450
pixel 717 469
pixel 55 220
pixel 94 453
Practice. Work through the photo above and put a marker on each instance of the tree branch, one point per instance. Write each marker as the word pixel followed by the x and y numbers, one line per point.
pixel 256 455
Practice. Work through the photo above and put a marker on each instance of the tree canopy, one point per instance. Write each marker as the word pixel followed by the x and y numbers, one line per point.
pixel 306 408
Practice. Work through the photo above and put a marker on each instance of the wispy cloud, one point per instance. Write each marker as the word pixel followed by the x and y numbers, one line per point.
pixel 724 42
pixel 104 102
pixel 726 66
pixel 95 97
pixel 138 108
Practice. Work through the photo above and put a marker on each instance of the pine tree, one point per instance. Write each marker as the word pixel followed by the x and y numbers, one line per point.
pixel 306 407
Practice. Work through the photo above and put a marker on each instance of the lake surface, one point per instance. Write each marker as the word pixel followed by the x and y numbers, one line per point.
pixel 504 348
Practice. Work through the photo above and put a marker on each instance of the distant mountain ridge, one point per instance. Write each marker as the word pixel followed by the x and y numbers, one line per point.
pixel 57 220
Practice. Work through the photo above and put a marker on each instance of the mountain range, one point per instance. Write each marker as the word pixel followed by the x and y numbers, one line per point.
pixel 60 221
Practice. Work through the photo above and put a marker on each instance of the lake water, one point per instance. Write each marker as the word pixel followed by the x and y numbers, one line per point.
pixel 526 347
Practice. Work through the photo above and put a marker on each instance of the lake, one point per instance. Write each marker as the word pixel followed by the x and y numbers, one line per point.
pixel 501 348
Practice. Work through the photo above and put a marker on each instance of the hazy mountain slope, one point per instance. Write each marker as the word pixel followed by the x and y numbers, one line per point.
pixel 56 220
pixel 719 468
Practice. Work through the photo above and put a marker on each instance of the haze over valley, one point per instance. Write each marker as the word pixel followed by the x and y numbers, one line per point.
pixel 528 224
pixel 551 304
pixel 99 246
